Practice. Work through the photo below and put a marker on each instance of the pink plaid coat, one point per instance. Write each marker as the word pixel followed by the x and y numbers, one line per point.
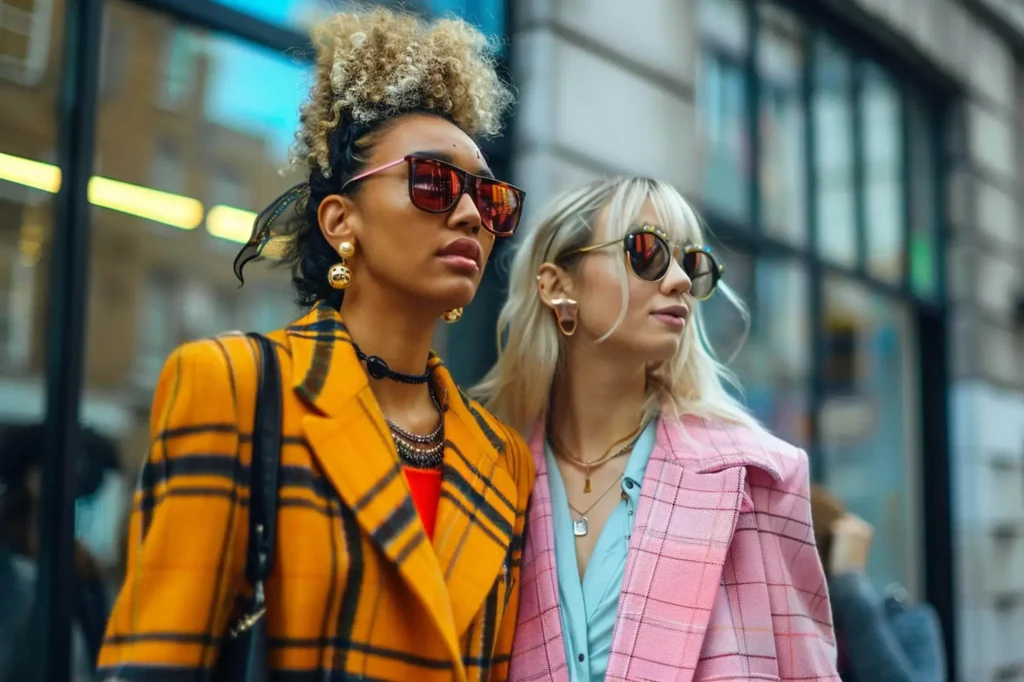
pixel 723 580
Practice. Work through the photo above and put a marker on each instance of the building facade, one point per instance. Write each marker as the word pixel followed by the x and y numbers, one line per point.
pixel 859 164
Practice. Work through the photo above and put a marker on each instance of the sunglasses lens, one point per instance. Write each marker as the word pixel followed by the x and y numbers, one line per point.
pixel 499 205
pixel 649 255
pixel 434 187
pixel 702 269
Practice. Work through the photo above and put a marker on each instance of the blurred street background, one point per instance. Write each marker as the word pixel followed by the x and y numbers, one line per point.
pixel 860 164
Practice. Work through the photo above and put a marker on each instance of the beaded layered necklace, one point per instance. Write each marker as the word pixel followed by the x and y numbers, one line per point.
pixel 420 452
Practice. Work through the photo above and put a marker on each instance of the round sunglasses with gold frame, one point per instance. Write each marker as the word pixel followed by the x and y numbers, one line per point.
pixel 649 254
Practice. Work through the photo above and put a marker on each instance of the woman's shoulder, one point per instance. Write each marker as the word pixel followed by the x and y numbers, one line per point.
pixel 223 355
pixel 208 378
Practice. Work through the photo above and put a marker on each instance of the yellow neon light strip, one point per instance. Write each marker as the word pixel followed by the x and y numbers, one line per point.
pixel 163 207
pixel 186 213
pixel 34 174
pixel 230 223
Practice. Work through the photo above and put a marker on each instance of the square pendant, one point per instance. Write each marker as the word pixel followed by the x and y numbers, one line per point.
pixel 579 527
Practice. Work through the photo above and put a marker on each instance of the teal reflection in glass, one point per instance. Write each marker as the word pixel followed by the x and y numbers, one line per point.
pixel 487 15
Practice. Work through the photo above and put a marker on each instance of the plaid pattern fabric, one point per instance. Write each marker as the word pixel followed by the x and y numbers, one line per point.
pixel 358 591
pixel 723 581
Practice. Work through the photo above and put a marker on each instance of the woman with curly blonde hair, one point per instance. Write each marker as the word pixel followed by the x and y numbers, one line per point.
pixel 669 533
pixel 400 503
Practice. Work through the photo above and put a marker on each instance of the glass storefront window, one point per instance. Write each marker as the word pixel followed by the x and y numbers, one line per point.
pixel 723 138
pixel 182 185
pixel 833 165
pixel 31 46
pixel 780 63
pixel 869 423
pixel 773 364
pixel 884 188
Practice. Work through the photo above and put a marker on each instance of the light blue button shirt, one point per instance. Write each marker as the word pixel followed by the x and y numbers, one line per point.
pixel 589 609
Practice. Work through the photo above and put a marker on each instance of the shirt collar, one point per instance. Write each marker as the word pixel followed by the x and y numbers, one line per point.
pixel 636 465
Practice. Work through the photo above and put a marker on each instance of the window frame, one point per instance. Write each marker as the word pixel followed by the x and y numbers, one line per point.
pixel 922 90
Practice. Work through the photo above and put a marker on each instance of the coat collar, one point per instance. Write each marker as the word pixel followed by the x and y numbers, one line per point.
pixel 350 439
pixel 706 445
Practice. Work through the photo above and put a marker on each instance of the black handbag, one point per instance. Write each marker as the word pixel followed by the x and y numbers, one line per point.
pixel 245 646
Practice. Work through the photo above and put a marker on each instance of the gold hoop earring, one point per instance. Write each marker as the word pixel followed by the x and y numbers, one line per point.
pixel 452 316
pixel 339 276
pixel 566 314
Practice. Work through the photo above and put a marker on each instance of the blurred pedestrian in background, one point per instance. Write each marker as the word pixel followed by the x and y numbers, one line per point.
pixel 100 511
pixel 882 638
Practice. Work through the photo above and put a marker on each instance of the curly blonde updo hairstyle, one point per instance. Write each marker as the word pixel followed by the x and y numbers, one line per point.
pixel 375 65
pixel 372 67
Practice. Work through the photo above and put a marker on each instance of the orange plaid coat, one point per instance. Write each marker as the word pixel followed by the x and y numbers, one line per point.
pixel 358 591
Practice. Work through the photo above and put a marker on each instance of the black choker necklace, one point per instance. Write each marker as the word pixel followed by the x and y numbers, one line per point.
pixel 378 369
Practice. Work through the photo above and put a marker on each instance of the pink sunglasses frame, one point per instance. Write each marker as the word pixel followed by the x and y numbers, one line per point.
pixel 465 175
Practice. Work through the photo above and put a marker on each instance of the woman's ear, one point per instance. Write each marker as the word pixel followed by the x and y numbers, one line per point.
pixel 338 220
pixel 553 283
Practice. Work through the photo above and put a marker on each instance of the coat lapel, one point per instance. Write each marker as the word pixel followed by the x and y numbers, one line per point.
pixel 352 444
pixel 477 511
pixel 690 502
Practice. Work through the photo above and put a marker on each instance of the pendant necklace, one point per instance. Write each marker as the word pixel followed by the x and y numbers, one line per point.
pixel 581 526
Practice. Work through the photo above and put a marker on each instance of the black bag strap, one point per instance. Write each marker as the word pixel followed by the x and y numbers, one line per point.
pixel 263 474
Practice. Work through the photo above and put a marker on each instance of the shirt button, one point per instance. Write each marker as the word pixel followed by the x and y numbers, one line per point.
pixel 629 484
pixel 580 657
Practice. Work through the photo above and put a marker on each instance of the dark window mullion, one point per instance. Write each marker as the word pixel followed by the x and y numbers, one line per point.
pixel 815 300
pixel 753 110
pixel 859 166
pixel 939 179
pixel 66 327
pixel 910 192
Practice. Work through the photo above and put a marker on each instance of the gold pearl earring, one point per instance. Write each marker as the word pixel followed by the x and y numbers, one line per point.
pixel 452 315
pixel 339 276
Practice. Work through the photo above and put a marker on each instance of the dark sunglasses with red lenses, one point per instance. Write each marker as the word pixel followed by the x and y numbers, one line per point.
pixel 436 186
pixel 649 254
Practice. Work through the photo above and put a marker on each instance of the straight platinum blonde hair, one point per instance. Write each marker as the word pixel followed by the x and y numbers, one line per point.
pixel 530 347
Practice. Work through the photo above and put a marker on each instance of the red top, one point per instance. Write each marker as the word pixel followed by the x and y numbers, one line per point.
pixel 426 492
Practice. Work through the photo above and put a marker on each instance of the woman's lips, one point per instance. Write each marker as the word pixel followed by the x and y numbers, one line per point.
pixel 462 254
pixel 673 316
pixel 673 321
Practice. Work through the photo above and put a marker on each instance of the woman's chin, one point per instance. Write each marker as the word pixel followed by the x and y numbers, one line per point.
pixel 455 296
pixel 661 349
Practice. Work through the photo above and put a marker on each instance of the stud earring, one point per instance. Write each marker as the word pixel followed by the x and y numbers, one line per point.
pixel 452 316
pixel 566 314
pixel 339 276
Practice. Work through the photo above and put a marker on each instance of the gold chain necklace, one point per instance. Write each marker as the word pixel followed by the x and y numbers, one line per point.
pixel 589 465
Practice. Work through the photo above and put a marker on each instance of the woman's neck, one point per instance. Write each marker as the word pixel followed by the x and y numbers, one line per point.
pixel 597 400
pixel 400 336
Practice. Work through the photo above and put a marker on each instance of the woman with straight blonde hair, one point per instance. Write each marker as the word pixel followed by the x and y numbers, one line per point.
pixel 669 534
